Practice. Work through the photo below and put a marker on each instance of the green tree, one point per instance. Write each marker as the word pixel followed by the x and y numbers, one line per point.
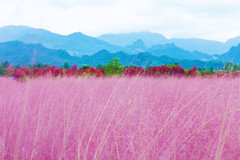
pixel 6 64
pixel 236 67
pixel 211 69
pixel 228 67
pixel 17 66
pixel 100 66
pixel 39 65
pixel 66 65
pixel 114 67
pixel 85 67
pixel 2 69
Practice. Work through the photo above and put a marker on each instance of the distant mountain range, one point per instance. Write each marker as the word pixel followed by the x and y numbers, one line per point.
pixel 25 45
pixel 173 51
pixel 170 50
pixel 192 44
pixel 19 53
pixel 76 43
pixel 79 44
pixel 145 59
pixel 148 38
pixel 233 55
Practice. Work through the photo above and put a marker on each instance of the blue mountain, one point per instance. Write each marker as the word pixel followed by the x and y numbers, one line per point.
pixel 128 38
pixel 233 41
pixel 137 47
pixel 173 51
pixel 144 59
pixel 19 53
pixel 202 45
pixel 191 44
pixel 43 42
pixel 169 49
pixel 76 44
pixel 233 55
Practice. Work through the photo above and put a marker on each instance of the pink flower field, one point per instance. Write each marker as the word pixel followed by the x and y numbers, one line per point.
pixel 120 118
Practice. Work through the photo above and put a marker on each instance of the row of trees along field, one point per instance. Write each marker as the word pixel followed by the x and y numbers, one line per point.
pixel 112 68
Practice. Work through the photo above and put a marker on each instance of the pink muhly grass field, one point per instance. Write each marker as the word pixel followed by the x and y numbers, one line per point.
pixel 120 118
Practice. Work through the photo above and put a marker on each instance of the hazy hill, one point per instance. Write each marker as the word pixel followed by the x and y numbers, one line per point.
pixel 127 39
pixel 202 45
pixel 233 55
pixel 173 51
pixel 170 50
pixel 233 41
pixel 19 53
pixel 191 44
pixel 137 47
pixel 79 44
pixel 76 44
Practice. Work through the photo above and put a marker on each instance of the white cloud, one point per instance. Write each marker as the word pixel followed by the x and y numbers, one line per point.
pixel 215 19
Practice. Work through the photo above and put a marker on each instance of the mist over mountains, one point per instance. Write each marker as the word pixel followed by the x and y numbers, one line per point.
pixel 25 45
pixel 192 44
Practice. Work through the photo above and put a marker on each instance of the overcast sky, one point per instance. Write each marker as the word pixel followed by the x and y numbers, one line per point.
pixel 210 19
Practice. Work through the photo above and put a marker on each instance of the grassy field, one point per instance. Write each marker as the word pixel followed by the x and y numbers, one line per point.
pixel 120 118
